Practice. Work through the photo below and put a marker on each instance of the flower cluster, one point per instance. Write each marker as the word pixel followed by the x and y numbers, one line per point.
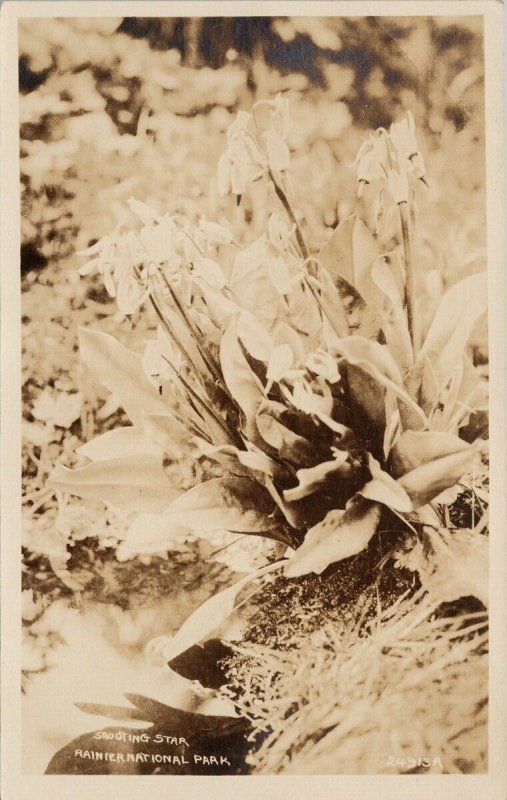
pixel 130 261
pixel 256 144
pixel 388 158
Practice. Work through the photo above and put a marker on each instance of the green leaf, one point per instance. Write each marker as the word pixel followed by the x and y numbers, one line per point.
pixel 250 281
pixel 415 448
pixel 280 362
pixel 292 514
pixel 252 460
pixel 119 713
pixel 384 489
pixel 121 371
pixel 237 504
pixel 471 396
pixel 340 534
pixel 427 481
pixel 289 445
pixel 348 256
pixel 240 380
pixel 311 479
pixel 257 341
pixel 376 360
pixel 132 484
pixel 210 615
pixel 302 310
pixel 366 403
pixel 169 434
pixel 394 318
pixel 350 252
pixel 188 722
pixel 152 533
pixel 459 310
pixel 119 443
pixel 330 299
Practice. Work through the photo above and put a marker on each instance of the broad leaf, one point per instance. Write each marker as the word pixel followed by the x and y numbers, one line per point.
pixel 132 484
pixel 250 281
pixel 253 460
pixel 241 381
pixel 426 482
pixel 366 403
pixel 415 448
pixel 456 316
pixel 204 663
pixel 340 534
pixel 190 723
pixel 210 271
pixel 220 307
pixel 311 479
pixel 119 443
pixel 302 310
pixel 330 299
pixel 257 461
pixel 257 341
pixel 348 256
pixel 119 713
pixel 284 334
pixel 240 505
pixel 292 514
pixel 280 362
pixel 350 252
pixel 384 489
pixel 168 434
pixel 121 371
pixel 289 445
pixel 376 360
pixel 471 395
pixel 210 615
pixel 394 320
pixel 153 533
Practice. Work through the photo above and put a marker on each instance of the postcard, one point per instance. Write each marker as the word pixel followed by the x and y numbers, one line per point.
pixel 253 400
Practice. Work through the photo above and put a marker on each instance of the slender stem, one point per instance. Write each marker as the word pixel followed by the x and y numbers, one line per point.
pixel 412 318
pixel 173 336
pixel 290 213
pixel 199 339
pixel 208 410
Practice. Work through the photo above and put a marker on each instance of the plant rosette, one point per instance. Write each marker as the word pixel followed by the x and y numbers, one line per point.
pixel 298 385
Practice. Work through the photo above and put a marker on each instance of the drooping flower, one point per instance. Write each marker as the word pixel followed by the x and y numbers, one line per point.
pixel 388 158
pixel 371 159
pixel 103 260
pixel 242 161
pixel 256 144
pixel 402 136
pixel 119 259
pixel 212 233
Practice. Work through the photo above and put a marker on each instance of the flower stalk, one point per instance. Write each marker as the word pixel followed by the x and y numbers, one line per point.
pixel 290 213
pixel 412 317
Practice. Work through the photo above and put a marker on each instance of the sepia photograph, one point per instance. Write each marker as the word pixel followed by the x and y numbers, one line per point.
pixel 254 392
